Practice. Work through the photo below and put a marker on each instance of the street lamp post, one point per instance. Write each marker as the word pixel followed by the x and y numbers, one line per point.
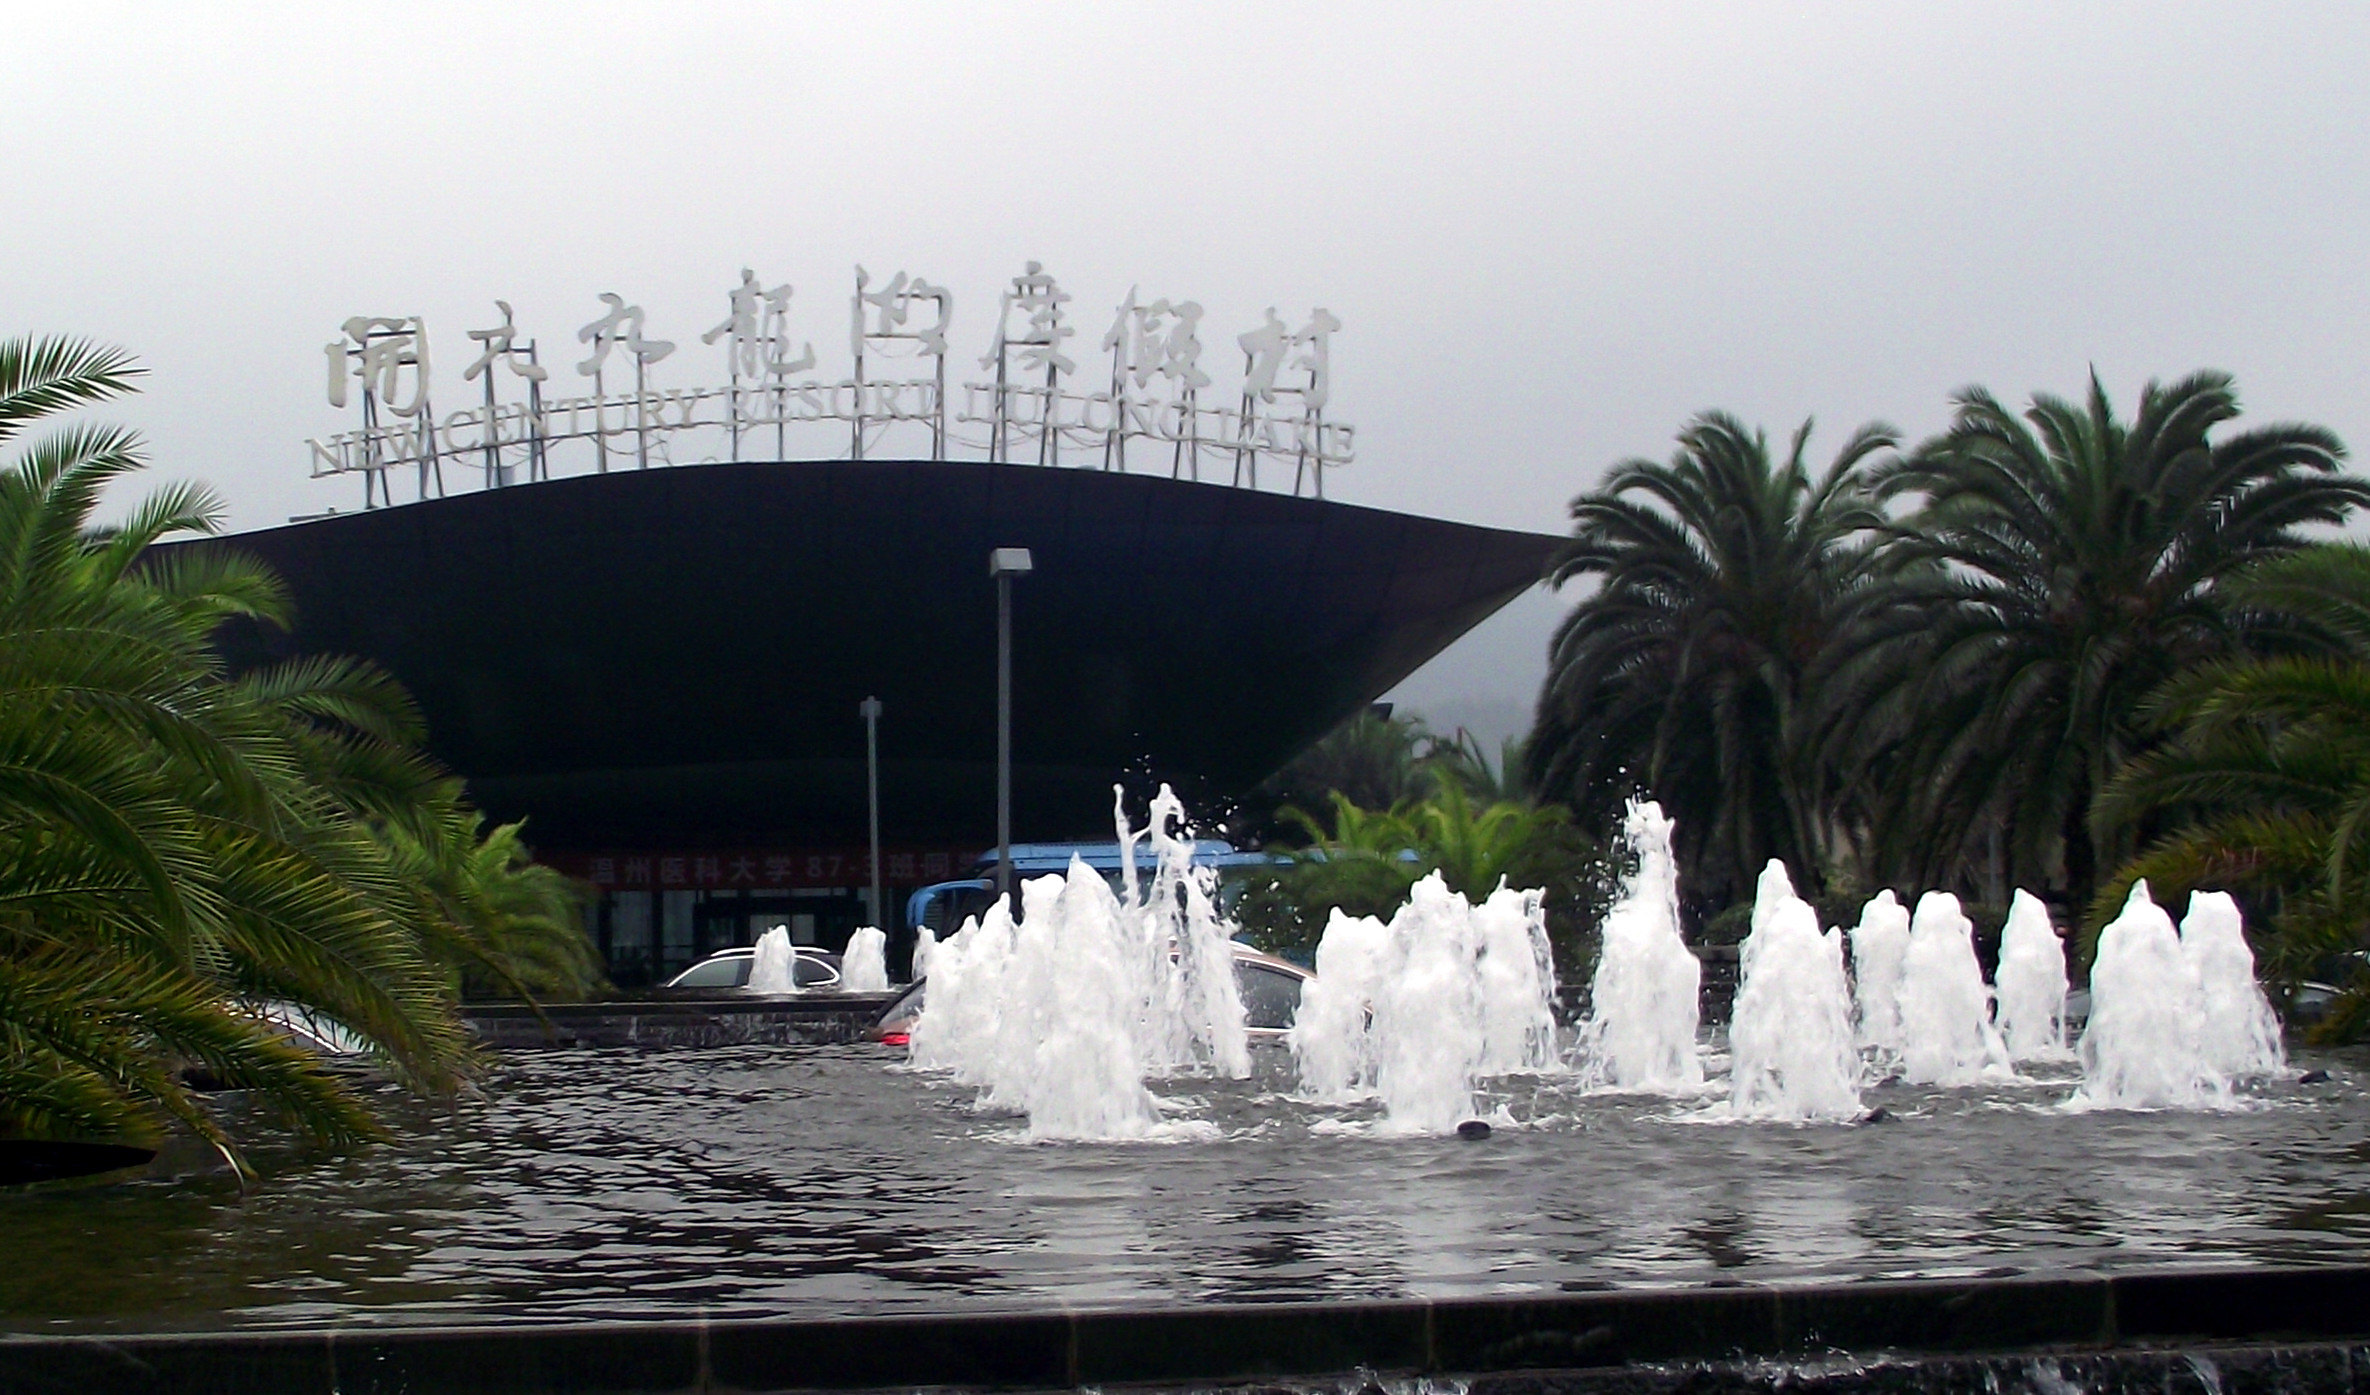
pixel 1004 564
pixel 870 711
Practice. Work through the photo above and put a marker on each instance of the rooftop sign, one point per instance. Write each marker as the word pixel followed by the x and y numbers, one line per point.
pixel 1157 407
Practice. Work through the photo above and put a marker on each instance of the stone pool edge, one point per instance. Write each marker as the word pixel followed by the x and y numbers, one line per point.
pixel 1213 1344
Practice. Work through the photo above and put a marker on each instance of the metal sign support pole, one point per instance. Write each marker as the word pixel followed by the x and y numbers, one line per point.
pixel 1004 564
pixel 870 710
pixel 1003 734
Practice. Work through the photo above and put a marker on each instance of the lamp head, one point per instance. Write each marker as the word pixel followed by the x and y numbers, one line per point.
pixel 1010 561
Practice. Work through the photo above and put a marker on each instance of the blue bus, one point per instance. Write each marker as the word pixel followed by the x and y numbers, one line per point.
pixel 944 906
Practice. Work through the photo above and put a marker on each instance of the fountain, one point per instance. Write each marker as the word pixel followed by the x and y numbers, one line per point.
pixel 2030 984
pixel 956 1031
pixel 1068 1050
pixel 1184 966
pixel 1515 980
pixel 1070 1010
pixel 1790 1044
pixel 1418 1011
pixel 1642 1018
pixel 1332 1037
pixel 1947 1036
pixel 1880 944
pixel 865 966
pixel 2237 1033
pixel 2143 1048
pixel 1065 1012
pixel 773 964
pixel 842 1188
pixel 1428 1029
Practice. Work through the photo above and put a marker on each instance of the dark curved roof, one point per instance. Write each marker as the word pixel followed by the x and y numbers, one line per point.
pixel 676 656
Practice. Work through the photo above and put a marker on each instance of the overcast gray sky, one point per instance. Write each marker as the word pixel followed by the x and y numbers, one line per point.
pixel 1551 233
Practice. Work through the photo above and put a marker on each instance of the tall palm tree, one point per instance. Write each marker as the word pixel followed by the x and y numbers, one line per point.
pixel 2063 565
pixel 1720 578
pixel 1373 759
pixel 1462 757
pixel 2266 778
pixel 179 844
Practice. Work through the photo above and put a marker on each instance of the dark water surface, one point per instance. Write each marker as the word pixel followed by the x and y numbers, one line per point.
pixel 813 1181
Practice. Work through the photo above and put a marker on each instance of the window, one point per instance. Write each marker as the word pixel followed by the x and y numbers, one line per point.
pixel 1271 997
pixel 715 973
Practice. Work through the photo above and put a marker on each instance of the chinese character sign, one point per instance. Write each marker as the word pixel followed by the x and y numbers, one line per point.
pixel 884 314
pixel 1160 388
pixel 759 332
pixel 1315 342
pixel 622 325
pixel 1161 340
pixel 1040 302
pixel 384 353
pixel 501 347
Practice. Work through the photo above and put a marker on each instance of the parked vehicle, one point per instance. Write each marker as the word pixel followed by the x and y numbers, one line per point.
pixel 309 1029
pixel 2312 998
pixel 1270 989
pixel 728 969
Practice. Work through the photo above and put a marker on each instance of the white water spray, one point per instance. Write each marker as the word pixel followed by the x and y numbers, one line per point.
pixel 1514 977
pixel 1191 1005
pixel 1332 1040
pixel 1064 1012
pixel 773 964
pixel 1067 1050
pixel 865 966
pixel 957 1026
pixel 2031 984
pixel 1880 947
pixel 2237 1035
pixel 1642 1018
pixel 1790 1041
pixel 1946 1032
pixel 1420 1010
pixel 2138 1050
pixel 2175 1021
pixel 1427 1018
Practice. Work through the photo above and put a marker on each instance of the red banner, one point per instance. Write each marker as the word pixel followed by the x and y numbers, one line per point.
pixel 760 869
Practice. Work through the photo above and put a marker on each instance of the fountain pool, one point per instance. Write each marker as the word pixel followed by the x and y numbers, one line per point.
pixel 1084 1125
pixel 825 1181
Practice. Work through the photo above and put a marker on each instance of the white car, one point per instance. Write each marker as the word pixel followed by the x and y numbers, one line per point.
pixel 309 1029
pixel 728 969
pixel 1270 987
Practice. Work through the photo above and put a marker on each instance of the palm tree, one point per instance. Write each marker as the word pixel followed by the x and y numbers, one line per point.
pixel 2268 775
pixel 1474 846
pixel 178 844
pixel 1364 861
pixel 1721 577
pixel 504 924
pixel 1503 781
pixel 2062 566
pixel 1374 759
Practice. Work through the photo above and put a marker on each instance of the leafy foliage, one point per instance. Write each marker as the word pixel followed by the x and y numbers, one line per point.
pixel 508 926
pixel 1366 861
pixel 1375 760
pixel 1379 759
pixel 1721 578
pixel 1503 781
pixel 1934 671
pixel 2267 776
pixel 2061 566
pixel 179 844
